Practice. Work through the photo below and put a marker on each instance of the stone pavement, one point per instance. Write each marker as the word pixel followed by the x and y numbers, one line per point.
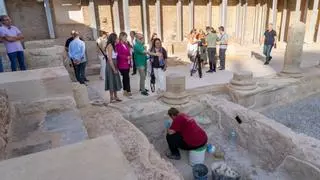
pixel 239 59
pixel 97 159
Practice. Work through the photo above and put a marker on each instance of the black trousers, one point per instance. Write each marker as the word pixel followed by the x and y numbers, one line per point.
pixel 134 67
pixel 176 142
pixel 212 58
pixel 125 79
pixel 222 57
pixel 80 72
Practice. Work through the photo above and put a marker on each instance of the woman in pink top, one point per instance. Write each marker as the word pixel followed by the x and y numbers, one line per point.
pixel 124 62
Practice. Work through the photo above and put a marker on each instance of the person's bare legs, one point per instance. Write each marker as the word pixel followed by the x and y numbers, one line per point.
pixel 111 96
pixel 116 97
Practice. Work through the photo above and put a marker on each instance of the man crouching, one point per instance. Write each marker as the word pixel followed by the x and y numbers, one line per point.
pixel 184 133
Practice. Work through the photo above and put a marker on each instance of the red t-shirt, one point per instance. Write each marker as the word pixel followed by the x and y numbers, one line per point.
pixel 191 133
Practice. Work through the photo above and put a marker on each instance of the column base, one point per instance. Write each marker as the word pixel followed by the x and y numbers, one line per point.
pixel 175 99
pixel 291 71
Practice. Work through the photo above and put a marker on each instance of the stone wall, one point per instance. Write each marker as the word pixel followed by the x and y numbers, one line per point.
pixel 34 26
pixel 4 121
pixel 30 17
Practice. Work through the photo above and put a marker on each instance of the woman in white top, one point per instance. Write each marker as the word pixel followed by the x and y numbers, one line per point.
pixel 102 43
pixel 112 80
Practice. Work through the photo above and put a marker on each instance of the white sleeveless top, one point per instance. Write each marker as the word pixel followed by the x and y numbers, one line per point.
pixel 114 54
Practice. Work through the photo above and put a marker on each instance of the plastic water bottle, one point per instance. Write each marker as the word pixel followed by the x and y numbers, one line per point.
pixel 233 139
pixel 211 148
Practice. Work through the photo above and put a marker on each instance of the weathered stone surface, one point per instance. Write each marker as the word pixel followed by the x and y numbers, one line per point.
pixel 45 104
pixel 34 85
pixel 292 58
pixel 243 80
pixel 97 159
pixel 299 169
pixel 44 57
pixel 80 94
pixel 4 120
pixel 143 158
pixel 175 90
pixel 267 139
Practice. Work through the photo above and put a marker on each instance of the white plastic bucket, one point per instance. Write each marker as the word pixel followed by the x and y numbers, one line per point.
pixel 197 156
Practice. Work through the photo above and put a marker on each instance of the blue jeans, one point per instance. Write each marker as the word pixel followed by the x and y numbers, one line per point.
pixel 267 51
pixel 1 66
pixel 13 57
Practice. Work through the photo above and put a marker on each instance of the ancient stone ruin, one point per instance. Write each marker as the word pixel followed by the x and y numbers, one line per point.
pixel 52 127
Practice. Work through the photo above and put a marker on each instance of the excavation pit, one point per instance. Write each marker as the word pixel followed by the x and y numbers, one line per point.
pixel 262 145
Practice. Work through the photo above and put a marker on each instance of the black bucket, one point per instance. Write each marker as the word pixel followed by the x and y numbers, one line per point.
pixel 200 172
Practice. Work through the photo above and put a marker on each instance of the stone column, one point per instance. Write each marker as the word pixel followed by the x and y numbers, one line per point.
pixel 125 7
pixel 258 35
pixel 3 9
pixel 191 15
pixel 144 14
pixel 283 21
pixel 93 21
pixel 263 18
pixel 179 20
pixel 294 49
pixel 240 86
pixel 238 19
pixel 274 13
pixel 297 12
pixel 313 21
pixel 223 15
pixel 158 18
pixel 209 13
pixel 244 21
pixel 256 23
pixel 47 8
pixel 116 18
pixel 175 90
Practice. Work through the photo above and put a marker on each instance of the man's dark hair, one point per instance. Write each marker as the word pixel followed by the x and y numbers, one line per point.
pixel 173 112
pixel 2 17
pixel 221 28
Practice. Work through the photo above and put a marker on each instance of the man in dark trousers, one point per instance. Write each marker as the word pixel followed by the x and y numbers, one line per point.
pixel 269 40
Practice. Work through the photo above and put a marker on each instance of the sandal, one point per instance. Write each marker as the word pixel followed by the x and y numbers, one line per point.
pixel 117 99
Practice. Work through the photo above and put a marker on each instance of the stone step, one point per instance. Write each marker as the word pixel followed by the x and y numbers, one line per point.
pixel 96 159
pixel 45 130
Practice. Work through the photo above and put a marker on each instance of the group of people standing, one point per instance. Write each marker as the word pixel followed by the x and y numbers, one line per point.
pixel 205 44
pixel 118 55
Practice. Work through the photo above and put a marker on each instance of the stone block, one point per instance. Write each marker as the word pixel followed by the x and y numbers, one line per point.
pixel 44 43
pixel 299 169
pixel 80 94
pixel 34 85
pixel 44 57
pixel 92 52
pixel 4 119
pixel 97 159
pixel 175 90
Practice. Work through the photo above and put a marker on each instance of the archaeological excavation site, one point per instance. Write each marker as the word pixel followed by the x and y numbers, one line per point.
pixel 261 123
